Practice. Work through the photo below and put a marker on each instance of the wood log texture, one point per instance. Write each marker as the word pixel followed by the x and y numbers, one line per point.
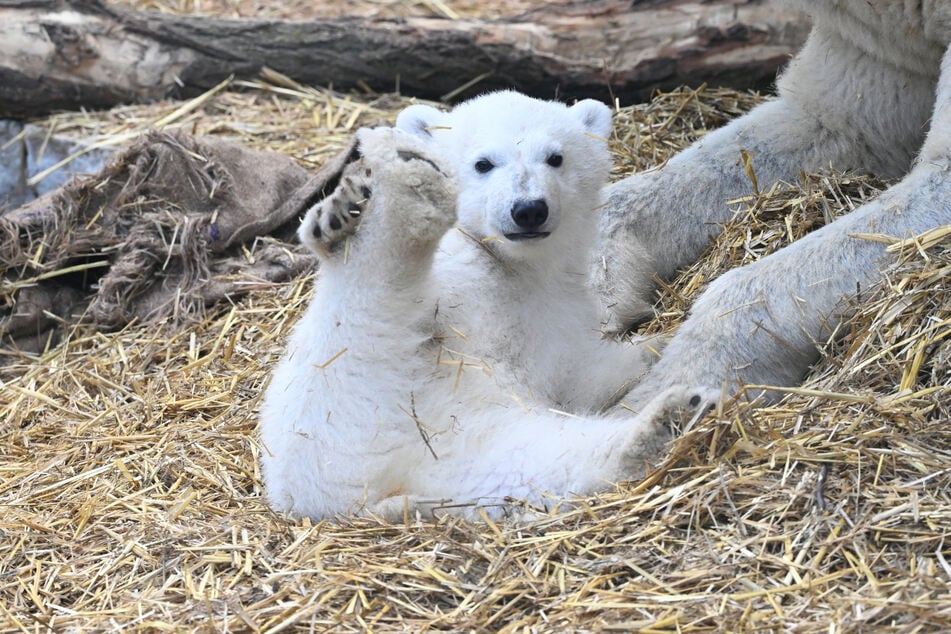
pixel 66 54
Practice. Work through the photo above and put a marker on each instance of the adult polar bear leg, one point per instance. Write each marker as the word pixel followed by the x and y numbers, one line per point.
pixel 760 324
pixel 838 105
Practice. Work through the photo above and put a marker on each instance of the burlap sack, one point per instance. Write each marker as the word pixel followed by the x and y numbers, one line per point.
pixel 170 226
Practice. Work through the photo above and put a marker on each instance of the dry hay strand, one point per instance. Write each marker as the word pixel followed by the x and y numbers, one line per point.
pixel 762 223
pixel 647 135
pixel 270 113
pixel 131 496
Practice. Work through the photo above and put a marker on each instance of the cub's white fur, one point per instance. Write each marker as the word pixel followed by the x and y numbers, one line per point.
pixel 451 354
pixel 868 91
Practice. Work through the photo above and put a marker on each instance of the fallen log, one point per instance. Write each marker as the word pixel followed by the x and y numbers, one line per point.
pixel 66 54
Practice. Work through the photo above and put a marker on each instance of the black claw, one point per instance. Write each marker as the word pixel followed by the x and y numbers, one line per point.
pixel 406 155
pixel 316 231
pixel 354 210
pixel 335 223
pixel 694 400
pixel 365 191
pixel 369 172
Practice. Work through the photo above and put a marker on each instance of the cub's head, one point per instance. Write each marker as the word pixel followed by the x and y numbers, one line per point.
pixel 530 172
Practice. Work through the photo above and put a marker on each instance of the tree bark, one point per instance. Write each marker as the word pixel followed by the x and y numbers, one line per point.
pixel 65 54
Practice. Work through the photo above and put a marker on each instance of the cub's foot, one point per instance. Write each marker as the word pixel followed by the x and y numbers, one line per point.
pixel 328 223
pixel 679 407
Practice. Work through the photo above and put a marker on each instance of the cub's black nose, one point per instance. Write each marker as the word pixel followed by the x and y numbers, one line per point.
pixel 530 214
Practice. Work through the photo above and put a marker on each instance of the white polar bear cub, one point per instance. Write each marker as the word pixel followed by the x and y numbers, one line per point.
pixel 451 357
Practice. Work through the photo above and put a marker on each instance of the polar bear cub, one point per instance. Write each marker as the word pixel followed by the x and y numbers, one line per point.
pixel 451 357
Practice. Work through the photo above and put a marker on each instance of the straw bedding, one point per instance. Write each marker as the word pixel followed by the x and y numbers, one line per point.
pixel 130 496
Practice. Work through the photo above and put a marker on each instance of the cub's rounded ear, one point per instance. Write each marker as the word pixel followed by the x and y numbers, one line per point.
pixel 594 116
pixel 419 120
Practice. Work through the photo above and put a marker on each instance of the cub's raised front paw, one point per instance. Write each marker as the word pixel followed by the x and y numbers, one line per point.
pixel 416 189
pixel 328 223
pixel 395 184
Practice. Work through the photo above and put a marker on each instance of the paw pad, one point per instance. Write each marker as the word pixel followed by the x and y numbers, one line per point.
pixel 331 220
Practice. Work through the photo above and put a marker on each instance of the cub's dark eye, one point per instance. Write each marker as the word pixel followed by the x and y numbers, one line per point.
pixel 483 166
pixel 555 160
